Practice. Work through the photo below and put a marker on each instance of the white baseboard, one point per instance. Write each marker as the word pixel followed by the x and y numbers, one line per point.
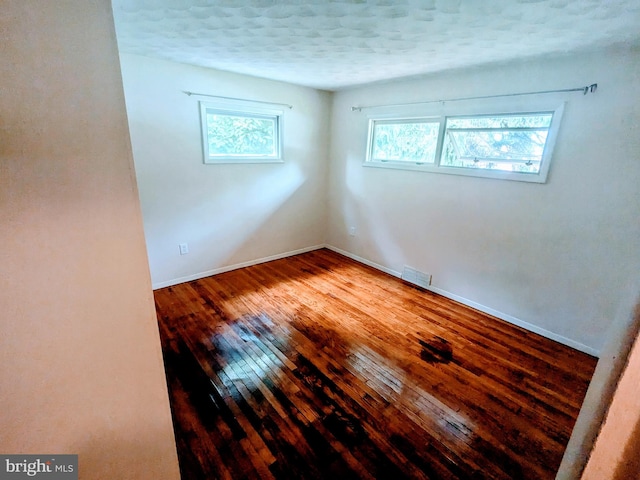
pixel 215 271
pixel 470 303
pixel 377 266
pixel 516 321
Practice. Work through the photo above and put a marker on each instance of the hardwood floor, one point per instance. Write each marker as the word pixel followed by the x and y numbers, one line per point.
pixel 318 367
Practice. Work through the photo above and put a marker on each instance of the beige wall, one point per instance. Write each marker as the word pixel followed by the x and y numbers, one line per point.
pixel 227 214
pixel 616 455
pixel 611 364
pixel 80 362
pixel 533 254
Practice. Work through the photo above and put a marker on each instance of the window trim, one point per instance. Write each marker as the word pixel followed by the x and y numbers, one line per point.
pixel 556 109
pixel 245 111
pixel 391 121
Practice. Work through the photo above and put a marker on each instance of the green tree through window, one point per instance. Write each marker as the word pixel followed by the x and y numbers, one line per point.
pixel 243 134
pixel 240 135
pixel 509 146
pixel 406 142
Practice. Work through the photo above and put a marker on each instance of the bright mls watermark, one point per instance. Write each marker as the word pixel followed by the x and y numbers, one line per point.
pixel 50 467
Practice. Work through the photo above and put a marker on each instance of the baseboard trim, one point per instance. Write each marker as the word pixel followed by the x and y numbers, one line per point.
pixel 369 263
pixel 216 271
pixel 465 301
pixel 516 321
pixel 483 308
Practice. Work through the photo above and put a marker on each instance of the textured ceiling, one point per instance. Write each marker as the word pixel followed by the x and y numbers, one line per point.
pixel 335 44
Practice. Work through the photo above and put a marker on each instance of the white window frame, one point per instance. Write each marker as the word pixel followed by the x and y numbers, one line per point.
pixel 391 121
pixel 440 113
pixel 276 115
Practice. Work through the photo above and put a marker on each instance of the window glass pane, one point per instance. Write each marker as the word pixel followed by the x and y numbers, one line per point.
pixel 502 121
pixel 241 135
pixel 506 145
pixel 414 142
pixel 512 143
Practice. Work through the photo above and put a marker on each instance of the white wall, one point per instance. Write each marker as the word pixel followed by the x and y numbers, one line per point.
pixel 228 214
pixel 80 362
pixel 554 256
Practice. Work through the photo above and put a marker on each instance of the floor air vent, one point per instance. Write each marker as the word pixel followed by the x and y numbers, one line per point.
pixel 412 275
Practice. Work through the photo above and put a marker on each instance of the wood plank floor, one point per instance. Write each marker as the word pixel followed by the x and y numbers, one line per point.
pixel 318 367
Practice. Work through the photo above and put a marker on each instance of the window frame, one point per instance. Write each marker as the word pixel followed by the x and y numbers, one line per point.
pixel 392 121
pixel 249 111
pixel 415 113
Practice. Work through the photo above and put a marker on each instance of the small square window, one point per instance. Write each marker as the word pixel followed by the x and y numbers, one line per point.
pixel 243 135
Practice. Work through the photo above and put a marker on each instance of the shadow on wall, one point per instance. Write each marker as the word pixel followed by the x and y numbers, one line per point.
pixel 130 453
pixel 258 200
pixel 271 223
pixel 227 221
pixel 630 464
pixel 373 238
pixel 613 360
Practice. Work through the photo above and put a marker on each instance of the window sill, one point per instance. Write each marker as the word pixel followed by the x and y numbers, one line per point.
pixel 468 172
pixel 233 161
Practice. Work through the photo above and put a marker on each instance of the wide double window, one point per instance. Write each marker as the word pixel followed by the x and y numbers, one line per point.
pixel 240 135
pixel 511 146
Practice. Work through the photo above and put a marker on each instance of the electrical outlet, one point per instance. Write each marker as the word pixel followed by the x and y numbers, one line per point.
pixel 352 231
pixel 184 248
